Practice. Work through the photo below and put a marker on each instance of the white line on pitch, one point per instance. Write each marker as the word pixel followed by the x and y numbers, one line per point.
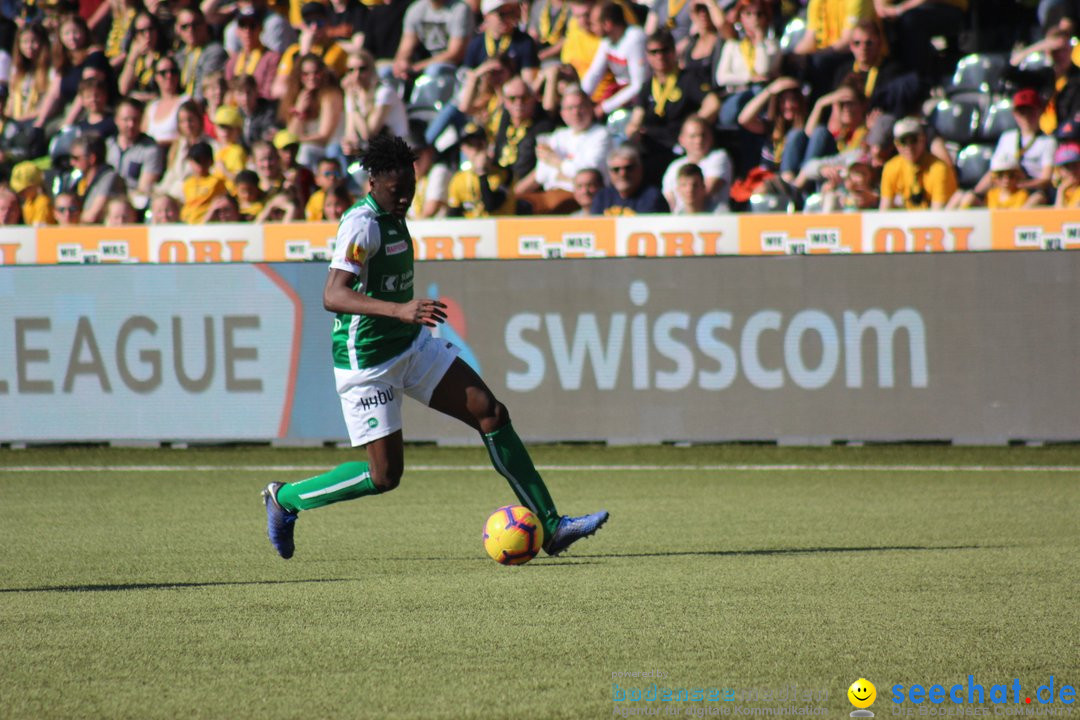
pixel 558 468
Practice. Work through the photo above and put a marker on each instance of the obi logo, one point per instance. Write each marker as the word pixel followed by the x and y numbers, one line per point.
pixel 454 329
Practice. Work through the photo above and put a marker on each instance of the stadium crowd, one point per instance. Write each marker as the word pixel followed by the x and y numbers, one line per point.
pixel 164 111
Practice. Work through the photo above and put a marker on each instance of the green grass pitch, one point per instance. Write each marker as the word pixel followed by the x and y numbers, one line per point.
pixel 152 592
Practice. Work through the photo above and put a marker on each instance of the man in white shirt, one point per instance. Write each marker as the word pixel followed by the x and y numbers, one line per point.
pixel 583 143
pixel 622 51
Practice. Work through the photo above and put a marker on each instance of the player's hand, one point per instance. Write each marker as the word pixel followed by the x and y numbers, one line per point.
pixel 423 312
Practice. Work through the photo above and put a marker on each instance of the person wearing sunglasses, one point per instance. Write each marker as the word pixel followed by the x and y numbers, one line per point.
pixel 627 193
pixel 370 105
pixel 199 54
pixel 137 73
pixel 915 179
pixel 67 208
pixel 253 58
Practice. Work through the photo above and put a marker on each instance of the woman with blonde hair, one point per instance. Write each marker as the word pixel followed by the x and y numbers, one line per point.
pixel 74 59
pixel 312 110
pixel 190 131
pixel 29 74
pixel 370 105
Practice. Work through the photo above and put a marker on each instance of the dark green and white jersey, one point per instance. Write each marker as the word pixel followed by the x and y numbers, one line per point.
pixel 376 247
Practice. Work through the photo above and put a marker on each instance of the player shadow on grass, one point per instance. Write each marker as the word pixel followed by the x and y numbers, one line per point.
pixel 115 587
pixel 792 551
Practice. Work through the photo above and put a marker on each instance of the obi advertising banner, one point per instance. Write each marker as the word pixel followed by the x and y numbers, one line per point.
pixel 538 238
pixel 977 347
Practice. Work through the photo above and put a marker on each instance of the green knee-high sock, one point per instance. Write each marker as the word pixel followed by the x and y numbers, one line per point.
pixel 512 461
pixel 345 482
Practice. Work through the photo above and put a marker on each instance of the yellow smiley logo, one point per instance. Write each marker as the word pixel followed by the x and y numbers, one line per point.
pixel 862 693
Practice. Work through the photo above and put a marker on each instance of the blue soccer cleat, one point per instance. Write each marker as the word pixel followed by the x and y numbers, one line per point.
pixel 572 529
pixel 279 522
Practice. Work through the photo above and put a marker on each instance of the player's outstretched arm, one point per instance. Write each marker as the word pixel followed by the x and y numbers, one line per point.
pixel 339 297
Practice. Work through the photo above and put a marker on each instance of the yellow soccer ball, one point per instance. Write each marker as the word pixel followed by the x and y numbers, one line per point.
pixel 513 535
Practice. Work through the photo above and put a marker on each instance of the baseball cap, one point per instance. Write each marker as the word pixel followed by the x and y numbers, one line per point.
pixel 24 175
pixel 490 6
pixel 284 138
pixel 473 131
pixel 228 116
pixel 1027 97
pixel 1004 162
pixel 1065 154
pixel 907 126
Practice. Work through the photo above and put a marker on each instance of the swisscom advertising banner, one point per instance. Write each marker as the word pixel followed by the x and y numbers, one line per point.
pixel 977 347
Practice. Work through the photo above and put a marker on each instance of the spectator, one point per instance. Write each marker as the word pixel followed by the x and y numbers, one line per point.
pixel 502 36
pixel 146 48
pixel 223 209
pixel 72 56
pixel 435 32
pixel 118 211
pixel 199 54
pixel 836 126
pixel 1027 144
pixel 371 106
pixel 587 183
pixel 915 179
pixel 621 53
pixel 327 174
pixel 283 206
pixel 1067 161
pixel 714 166
pixel 134 154
pixel 915 22
pixel 27 180
pixel 852 190
pixel 546 24
pixel 824 46
pixel 164 210
pixel 627 194
pixel 253 58
pixel 699 53
pixel 663 104
pixel 670 15
pixel 258 113
pixel 879 78
pixel 338 201
pixel 775 118
pixel 485 188
pixel 67 207
pixel 201 187
pixel 249 198
pixel 121 16
pixel 97 181
pixel 214 91
pixel 277 34
pixel 583 143
pixel 95 115
pixel 581 44
pixel 313 42
pixel 295 175
pixel 160 121
pixel 382 28
pixel 10 212
pixel 747 62
pixel 312 110
pixel 190 131
pixel 690 190
pixel 432 184
pixel 231 156
pixel 1006 193
pixel 29 82
pixel 268 166
pixel 345 24
pixel 479 99
pixel 18 140
pixel 517 123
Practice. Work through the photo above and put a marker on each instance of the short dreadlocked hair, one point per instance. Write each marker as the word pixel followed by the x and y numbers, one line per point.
pixel 387 153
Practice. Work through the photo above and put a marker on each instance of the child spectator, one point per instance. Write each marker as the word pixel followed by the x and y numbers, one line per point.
pixel 249 198
pixel 223 209
pixel 1007 193
pixel 96 117
pixel 164 210
pixel 26 181
pixel 338 201
pixel 327 174
pixel 10 212
pixel 295 175
pixel 485 189
pixel 118 211
pixel 231 155
pixel 690 190
pixel 1067 161
pixel 202 187
pixel 696 140
pixel 67 207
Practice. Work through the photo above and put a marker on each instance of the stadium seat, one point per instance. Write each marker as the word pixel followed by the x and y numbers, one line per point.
pixel 386 77
pixel 793 33
pixel 997 119
pixel 980 72
pixel 814 203
pixel 60 144
pixel 616 125
pixel 956 120
pixel 434 88
pixel 972 162
pixel 1035 61
pixel 768 203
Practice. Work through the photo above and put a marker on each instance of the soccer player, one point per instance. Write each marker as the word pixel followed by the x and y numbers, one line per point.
pixel 383 350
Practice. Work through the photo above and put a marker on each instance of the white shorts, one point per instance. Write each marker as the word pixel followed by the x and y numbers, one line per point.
pixel 371 397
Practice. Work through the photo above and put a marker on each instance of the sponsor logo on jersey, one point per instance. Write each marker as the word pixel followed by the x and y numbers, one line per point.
pixel 356 252
pixel 397 283
pixel 397 248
